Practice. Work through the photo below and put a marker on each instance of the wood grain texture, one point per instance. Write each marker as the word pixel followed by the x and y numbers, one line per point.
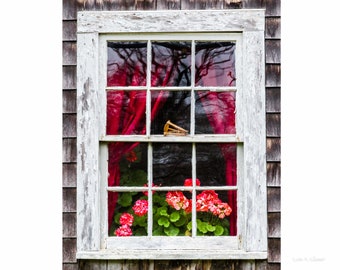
pixel 173 21
pixel 274 225
pixel 69 101
pixel 274 250
pixel 274 199
pixel 273 28
pixel 70 266
pixel 273 100
pixel 273 75
pixel 69 225
pixel 274 266
pixel 93 265
pixel 69 125
pixel 69 172
pixel 273 149
pixel 69 53
pixel 69 200
pixel 273 7
pixel 70 8
pixel 273 124
pixel 69 77
pixel 273 51
pixel 69 150
pixel 69 250
pixel 69 30
pixel 273 174
pixel 88 119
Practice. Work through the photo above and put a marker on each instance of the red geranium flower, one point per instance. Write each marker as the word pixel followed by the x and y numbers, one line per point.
pixel 177 200
pixel 188 182
pixel 126 219
pixel 141 207
pixel 123 230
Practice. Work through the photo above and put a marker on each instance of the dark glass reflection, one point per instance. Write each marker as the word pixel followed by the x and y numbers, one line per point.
pixel 171 62
pixel 215 112
pixel 215 64
pixel 171 163
pixel 216 164
pixel 126 63
pixel 170 105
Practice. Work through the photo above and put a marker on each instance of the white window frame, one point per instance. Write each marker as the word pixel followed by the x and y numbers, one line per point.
pixel 94 28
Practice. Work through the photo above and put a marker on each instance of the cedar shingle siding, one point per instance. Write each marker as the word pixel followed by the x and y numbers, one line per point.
pixel 273 118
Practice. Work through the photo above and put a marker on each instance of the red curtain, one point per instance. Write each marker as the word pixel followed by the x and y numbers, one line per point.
pixel 126 116
pixel 220 110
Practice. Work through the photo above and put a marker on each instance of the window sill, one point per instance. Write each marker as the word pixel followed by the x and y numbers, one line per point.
pixel 158 254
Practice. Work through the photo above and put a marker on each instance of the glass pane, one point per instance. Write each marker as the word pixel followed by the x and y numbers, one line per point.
pixel 130 214
pixel 127 164
pixel 126 63
pixel 126 112
pixel 171 163
pixel 215 211
pixel 215 112
pixel 171 213
pixel 171 62
pixel 216 164
pixel 215 64
pixel 170 105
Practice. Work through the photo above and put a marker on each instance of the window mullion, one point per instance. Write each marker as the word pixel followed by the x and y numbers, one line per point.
pixel 193 215
pixel 192 108
pixel 150 206
pixel 148 93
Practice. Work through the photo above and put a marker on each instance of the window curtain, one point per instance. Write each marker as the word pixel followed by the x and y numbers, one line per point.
pixel 213 103
pixel 126 116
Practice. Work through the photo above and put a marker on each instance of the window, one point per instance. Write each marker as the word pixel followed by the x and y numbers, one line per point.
pixel 171 135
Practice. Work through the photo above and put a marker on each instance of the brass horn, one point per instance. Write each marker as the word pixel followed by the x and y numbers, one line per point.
pixel 172 129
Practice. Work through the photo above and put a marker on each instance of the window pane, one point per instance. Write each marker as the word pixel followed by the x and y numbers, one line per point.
pixel 216 164
pixel 130 214
pixel 215 64
pixel 171 213
pixel 127 164
pixel 171 163
pixel 126 63
pixel 215 112
pixel 171 62
pixel 170 105
pixel 126 112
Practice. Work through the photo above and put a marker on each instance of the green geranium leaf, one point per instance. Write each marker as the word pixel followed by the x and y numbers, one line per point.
pixel 171 231
pixel 163 221
pixel 158 231
pixel 189 225
pixel 182 220
pixel 211 228
pixel 125 199
pixel 174 216
pixel 117 217
pixel 140 221
pixel 140 232
pixel 219 230
pixel 162 211
pixel 202 226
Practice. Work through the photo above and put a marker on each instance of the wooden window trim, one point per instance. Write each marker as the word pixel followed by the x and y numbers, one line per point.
pixel 92 242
